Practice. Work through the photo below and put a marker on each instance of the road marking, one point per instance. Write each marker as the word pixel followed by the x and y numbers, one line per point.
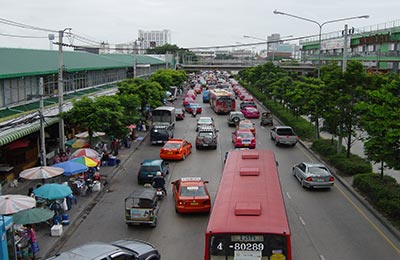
pixel 322 257
pixel 380 232
pixel 288 195
pixel 302 221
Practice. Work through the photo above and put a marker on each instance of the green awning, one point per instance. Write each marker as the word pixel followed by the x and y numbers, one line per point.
pixel 15 133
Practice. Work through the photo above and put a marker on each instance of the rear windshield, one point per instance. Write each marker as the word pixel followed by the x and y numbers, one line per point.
pixel 150 168
pixel 172 145
pixel 193 191
pixel 285 131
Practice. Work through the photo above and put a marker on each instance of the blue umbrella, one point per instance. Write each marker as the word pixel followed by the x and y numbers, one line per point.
pixel 52 191
pixel 71 168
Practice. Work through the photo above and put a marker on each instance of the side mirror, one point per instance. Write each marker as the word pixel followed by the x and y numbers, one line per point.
pixel 277 163
pixel 205 182
pixel 216 130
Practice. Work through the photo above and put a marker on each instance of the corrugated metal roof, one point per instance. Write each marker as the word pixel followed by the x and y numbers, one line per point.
pixel 29 62
pixel 128 59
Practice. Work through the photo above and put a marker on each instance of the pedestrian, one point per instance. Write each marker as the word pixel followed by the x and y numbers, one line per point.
pixel 30 193
pixel 34 247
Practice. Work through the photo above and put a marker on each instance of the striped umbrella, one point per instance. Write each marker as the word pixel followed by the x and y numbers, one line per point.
pixel 10 204
pixel 85 152
pixel 41 172
pixel 87 161
pixel 78 143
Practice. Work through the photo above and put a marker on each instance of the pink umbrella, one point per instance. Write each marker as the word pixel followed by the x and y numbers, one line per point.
pixel 10 204
pixel 85 152
pixel 41 172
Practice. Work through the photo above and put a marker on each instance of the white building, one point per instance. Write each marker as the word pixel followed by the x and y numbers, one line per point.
pixel 152 39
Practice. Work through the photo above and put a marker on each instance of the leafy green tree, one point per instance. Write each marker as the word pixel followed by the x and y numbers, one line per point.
pixel 104 114
pixel 169 77
pixel 150 93
pixel 380 118
pixel 164 49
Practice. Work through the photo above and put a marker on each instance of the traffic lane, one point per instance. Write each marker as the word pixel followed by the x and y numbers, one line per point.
pixel 330 222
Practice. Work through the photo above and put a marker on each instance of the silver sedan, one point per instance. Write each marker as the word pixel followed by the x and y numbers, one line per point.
pixel 313 175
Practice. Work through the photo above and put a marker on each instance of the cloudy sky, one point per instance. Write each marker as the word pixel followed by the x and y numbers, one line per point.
pixel 192 23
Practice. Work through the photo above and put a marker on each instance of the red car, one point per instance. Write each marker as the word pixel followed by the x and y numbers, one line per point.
pixel 248 98
pixel 243 138
pixel 250 112
pixel 187 100
pixel 193 106
pixel 175 149
pixel 191 195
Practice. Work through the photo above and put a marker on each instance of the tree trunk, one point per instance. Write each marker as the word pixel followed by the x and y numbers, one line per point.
pixel 348 146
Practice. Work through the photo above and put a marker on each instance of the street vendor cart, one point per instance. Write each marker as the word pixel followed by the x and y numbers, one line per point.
pixel 141 207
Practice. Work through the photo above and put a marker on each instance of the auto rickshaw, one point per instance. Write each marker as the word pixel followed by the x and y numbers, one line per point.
pixel 266 119
pixel 141 207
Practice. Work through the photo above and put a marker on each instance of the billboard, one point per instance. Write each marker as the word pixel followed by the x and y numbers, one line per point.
pixel 332 44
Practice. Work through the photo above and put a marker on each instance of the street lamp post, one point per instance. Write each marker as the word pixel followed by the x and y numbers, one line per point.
pixel 320 25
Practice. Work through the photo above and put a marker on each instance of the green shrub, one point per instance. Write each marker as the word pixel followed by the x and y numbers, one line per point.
pixel 383 193
pixel 324 147
pixel 350 166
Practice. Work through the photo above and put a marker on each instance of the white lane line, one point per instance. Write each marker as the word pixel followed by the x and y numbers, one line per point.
pixel 322 257
pixel 302 221
pixel 288 195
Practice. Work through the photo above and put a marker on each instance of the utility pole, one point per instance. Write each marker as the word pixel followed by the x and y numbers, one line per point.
pixel 344 64
pixel 42 133
pixel 134 58
pixel 61 89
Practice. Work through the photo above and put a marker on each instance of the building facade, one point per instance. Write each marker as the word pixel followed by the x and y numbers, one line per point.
pixel 152 39
pixel 377 47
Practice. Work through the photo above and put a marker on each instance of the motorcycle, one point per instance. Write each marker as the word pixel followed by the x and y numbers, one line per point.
pixel 160 194
pixel 194 112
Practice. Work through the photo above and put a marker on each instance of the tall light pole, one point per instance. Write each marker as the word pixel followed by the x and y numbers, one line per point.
pixel 320 25
pixel 61 88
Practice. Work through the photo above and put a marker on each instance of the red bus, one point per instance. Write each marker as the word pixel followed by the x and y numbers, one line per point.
pixel 222 101
pixel 248 219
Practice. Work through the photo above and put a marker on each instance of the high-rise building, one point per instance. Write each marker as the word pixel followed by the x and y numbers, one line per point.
pixel 152 39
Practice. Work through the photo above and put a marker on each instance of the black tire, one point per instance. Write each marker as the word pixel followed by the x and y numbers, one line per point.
pixel 236 120
pixel 197 147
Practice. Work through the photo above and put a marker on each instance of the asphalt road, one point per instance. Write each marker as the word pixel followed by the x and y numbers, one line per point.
pixel 325 224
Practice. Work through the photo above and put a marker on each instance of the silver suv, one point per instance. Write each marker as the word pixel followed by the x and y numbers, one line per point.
pixel 122 249
pixel 235 117
pixel 207 137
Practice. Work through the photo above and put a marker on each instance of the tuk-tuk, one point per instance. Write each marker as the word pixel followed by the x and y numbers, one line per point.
pixel 266 119
pixel 141 207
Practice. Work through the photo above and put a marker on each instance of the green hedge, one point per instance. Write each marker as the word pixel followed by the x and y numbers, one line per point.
pixel 383 193
pixel 346 166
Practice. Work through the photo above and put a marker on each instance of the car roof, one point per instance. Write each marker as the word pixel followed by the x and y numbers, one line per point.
pixel 150 162
pixel 242 130
pixel 88 251
pixel 236 112
pixel 282 126
pixel 191 180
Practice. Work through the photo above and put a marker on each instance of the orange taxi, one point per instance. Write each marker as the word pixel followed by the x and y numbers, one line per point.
pixel 191 195
pixel 247 124
pixel 175 149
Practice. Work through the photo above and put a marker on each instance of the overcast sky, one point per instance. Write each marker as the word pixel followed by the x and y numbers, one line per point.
pixel 192 22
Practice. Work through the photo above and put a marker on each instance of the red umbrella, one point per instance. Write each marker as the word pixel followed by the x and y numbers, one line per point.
pixel 131 126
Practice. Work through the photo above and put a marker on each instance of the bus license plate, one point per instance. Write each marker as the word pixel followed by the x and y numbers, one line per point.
pixel 194 203
pixel 169 152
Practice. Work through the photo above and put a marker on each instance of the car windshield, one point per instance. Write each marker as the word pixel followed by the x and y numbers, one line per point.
pixel 251 110
pixel 172 145
pixel 247 126
pixel 284 131
pixel 193 191
pixel 318 170
pixel 179 111
pixel 245 135
pixel 146 168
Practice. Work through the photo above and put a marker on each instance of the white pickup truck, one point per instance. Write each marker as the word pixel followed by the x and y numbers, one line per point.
pixel 283 135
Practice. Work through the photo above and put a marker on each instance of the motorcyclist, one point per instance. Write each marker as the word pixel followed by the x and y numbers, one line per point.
pixel 159 182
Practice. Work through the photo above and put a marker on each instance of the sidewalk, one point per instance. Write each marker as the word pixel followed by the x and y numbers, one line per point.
pixel 48 244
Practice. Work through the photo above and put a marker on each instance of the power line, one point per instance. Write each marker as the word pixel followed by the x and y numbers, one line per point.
pixel 23 36
pixel 25 26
